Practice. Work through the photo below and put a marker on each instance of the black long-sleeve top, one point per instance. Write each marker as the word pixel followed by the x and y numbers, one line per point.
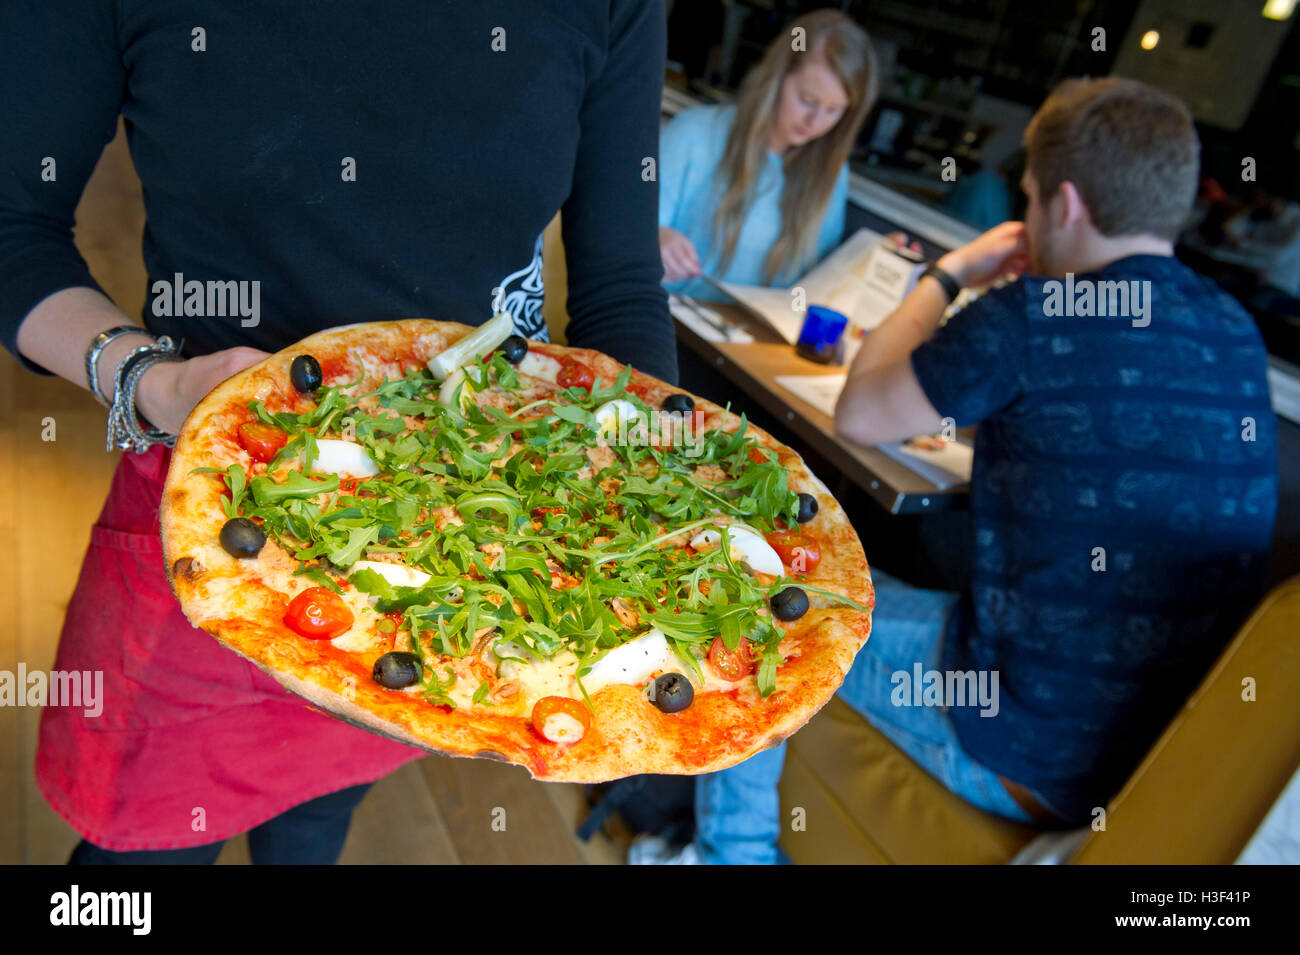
pixel 359 161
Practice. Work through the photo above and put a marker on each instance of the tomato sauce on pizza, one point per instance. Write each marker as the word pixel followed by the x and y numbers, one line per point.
pixel 485 546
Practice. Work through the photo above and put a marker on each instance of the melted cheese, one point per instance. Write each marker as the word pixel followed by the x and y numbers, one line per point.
pixel 375 367
pixel 537 677
pixel 541 366
pixel 360 636
pixel 354 640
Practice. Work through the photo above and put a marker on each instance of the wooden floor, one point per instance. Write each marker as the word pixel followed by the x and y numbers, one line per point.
pixel 432 811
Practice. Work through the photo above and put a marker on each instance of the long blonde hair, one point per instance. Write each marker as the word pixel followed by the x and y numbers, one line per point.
pixel 810 169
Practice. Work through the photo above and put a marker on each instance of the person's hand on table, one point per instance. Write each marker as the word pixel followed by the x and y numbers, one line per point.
pixel 169 390
pixel 1003 250
pixel 679 256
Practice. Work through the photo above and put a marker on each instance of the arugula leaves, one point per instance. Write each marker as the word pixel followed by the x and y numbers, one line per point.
pixel 267 491
pixel 517 528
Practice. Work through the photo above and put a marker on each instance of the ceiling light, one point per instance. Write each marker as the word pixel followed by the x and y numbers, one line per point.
pixel 1278 9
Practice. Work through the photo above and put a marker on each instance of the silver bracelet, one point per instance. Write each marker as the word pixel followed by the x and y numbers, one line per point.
pixel 97 346
pixel 126 432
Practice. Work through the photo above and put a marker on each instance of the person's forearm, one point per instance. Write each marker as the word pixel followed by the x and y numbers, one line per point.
pixel 881 400
pixel 56 333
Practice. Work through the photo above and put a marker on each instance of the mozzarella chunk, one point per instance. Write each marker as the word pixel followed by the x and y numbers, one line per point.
pixel 399 575
pixel 343 457
pixel 541 366
pixel 632 663
pixel 746 547
pixel 613 413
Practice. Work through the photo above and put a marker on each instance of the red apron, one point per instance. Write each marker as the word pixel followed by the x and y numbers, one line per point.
pixel 193 743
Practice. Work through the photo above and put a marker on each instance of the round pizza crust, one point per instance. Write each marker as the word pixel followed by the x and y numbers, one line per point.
pixel 229 599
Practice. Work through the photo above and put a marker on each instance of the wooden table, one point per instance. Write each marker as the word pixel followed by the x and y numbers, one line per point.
pixel 753 368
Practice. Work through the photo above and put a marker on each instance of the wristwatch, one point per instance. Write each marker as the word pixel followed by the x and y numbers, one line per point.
pixel 950 284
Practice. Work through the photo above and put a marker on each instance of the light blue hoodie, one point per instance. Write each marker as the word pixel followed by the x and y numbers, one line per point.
pixel 690 152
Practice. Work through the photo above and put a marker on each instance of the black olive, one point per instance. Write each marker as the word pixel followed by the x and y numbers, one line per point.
pixel 515 348
pixel 397 669
pixel 790 604
pixel 807 507
pixel 679 404
pixel 672 692
pixel 305 374
pixel 241 537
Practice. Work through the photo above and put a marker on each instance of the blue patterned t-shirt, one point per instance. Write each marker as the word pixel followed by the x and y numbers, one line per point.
pixel 1122 500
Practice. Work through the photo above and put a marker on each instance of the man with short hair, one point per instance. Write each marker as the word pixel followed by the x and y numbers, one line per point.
pixel 1123 492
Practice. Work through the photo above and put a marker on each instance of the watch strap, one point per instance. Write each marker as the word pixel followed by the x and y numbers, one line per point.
pixel 950 285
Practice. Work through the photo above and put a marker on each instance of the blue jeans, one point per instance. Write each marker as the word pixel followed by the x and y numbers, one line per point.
pixel 311 833
pixel 737 811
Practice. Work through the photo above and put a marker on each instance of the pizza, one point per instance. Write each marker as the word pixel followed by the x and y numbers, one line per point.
pixel 491 547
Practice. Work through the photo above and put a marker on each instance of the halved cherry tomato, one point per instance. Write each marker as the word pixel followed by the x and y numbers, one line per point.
pixel 262 441
pixel 574 374
pixel 559 719
pixel 318 614
pixel 731 665
pixel 797 551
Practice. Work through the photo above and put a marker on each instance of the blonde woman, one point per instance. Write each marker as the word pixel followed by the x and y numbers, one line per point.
pixel 753 192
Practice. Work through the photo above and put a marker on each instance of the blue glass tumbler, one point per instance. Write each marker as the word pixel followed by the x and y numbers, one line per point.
pixel 819 339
